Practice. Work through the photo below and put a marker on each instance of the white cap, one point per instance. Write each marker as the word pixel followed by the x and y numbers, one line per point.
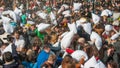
pixel 79 54
pixel 66 40
pixel 108 27
pixel 42 26
pixel 72 27
pixel 95 18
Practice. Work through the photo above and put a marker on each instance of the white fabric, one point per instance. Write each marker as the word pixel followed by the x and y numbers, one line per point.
pixel 97 40
pixel 13 15
pixel 115 36
pixel 95 18
pixel 82 20
pixel 6 24
pixel 42 26
pixel 116 16
pixel 87 28
pixel 116 23
pixel 61 9
pixel 109 12
pixel 56 44
pixel 42 15
pixel 52 16
pixel 64 34
pixel 4 36
pixel 78 23
pixel 72 27
pixel 18 11
pixel 79 54
pixel 20 43
pixel 30 22
pixel 8 49
pixel 66 6
pixel 99 65
pixel 5 12
pixel 76 6
pixel 90 63
pixel 104 13
pixel 66 13
pixel 66 40
pixel 21 6
pixel 108 27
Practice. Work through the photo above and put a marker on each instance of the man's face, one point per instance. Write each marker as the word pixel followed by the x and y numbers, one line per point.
pixel 17 35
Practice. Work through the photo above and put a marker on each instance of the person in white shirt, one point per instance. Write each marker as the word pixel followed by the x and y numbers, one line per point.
pixel 19 42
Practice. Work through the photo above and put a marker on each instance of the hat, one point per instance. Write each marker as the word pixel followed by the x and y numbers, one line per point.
pixel 66 40
pixel 108 27
pixel 42 26
pixel 87 28
pixel 72 27
pixel 82 20
pixel 95 18
pixel 79 54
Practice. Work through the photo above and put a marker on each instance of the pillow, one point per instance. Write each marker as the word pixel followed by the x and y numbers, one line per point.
pixel 72 27
pixel 76 6
pixel 95 18
pixel 42 15
pixel 66 40
pixel 87 28
pixel 96 39
pixel 42 26
pixel 79 54
pixel 108 28
pixel 90 63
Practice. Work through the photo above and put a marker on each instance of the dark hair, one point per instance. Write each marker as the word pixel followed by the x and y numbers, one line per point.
pixel 113 64
pixel 7 56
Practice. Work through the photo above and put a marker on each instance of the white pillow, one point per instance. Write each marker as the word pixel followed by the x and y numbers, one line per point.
pixel 115 36
pixel 104 13
pixel 30 22
pixel 79 54
pixel 90 63
pixel 72 27
pixel 66 12
pixel 42 26
pixel 13 15
pixel 109 12
pixel 108 28
pixel 87 28
pixel 17 11
pixel 56 44
pixel 97 40
pixel 99 65
pixel 66 40
pixel 52 16
pixel 76 6
pixel 7 49
pixel 95 18
pixel 42 15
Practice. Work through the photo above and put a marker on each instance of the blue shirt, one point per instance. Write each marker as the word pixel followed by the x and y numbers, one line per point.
pixel 42 57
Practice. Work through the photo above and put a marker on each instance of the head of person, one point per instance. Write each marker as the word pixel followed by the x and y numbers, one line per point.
pixel 16 35
pixel 46 48
pixel 112 64
pixel 52 59
pixel 7 57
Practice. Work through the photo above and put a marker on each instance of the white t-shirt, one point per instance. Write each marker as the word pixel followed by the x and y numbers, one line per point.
pixel 20 43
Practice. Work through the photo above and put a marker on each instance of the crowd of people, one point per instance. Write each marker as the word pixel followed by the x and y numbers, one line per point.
pixel 59 34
